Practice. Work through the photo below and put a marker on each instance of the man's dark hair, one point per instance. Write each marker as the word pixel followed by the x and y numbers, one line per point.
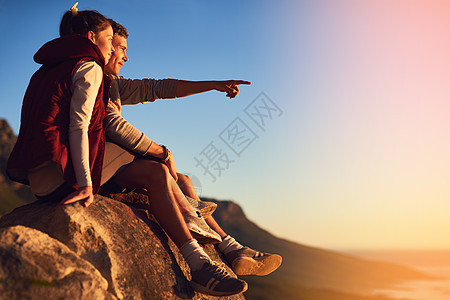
pixel 119 29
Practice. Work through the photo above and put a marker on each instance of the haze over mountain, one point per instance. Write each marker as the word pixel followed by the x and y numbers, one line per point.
pixel 12 194
pixel 306 272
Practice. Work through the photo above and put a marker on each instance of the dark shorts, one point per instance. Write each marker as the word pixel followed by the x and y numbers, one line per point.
pixel 57 195
pixel 116 158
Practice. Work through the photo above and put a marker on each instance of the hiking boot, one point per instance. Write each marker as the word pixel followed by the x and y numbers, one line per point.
pixel 200 230
pixel 205 208
pixel 213 279
pixel 247 261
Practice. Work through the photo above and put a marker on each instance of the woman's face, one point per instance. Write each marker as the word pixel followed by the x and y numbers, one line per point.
pixel 103 40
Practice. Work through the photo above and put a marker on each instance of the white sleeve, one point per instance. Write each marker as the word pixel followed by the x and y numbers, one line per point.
pixel 86 82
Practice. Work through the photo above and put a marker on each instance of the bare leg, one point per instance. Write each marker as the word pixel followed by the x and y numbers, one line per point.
pixel 164 195
pixel 186 186
pixel 163 192
pixel 214 226
pixel 244 261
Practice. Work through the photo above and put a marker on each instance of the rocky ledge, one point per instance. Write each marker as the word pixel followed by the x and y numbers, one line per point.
pixel 106 251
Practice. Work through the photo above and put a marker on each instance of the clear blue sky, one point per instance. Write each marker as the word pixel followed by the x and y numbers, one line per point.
pixel 354 96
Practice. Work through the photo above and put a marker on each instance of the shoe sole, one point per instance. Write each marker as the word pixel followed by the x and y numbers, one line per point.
pixel 205 208
pixel 202 239
pixel 251 266
pixel 201 289
pixel 206 211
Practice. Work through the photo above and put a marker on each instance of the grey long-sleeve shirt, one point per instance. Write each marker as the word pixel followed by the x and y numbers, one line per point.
pixel 134 91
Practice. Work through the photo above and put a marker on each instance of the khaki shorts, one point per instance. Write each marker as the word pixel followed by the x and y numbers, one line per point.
pixel 115 158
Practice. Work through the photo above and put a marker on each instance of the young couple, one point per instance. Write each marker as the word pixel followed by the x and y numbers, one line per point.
pixel 62 152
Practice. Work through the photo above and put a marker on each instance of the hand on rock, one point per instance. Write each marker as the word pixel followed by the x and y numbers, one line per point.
pixel 82 194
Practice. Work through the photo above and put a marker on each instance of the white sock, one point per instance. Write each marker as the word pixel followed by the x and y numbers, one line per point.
pixel 194 255
pixel 229 244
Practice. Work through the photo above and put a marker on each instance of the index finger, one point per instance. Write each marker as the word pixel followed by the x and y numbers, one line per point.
pixel 241 82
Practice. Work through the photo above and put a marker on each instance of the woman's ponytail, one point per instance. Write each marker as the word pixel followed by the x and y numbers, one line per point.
pixel 65 28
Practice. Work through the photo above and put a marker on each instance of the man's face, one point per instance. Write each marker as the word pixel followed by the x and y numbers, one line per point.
pixel 118 57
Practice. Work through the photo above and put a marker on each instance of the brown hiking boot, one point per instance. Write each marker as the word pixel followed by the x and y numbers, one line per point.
pixel 213 279
pixel 247 261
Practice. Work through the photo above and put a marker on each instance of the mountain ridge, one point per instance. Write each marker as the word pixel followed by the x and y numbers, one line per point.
pixel 311 268
pixel 306 273
pixel 12 194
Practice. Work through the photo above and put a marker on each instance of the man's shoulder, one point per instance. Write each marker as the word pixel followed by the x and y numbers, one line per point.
pixel 115 77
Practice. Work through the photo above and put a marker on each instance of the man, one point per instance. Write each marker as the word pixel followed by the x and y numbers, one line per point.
pixel 148 173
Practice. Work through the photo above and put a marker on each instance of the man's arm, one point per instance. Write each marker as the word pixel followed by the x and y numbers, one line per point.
pixel 123 133
pixel 126 135
pixel 187 88
pixel 139 91
pixel 134 91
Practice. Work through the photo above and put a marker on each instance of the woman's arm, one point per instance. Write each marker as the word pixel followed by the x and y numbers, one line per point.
pixel 86 82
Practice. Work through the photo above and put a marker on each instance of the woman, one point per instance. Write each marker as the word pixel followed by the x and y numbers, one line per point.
pixel 59 150
pixel 61 142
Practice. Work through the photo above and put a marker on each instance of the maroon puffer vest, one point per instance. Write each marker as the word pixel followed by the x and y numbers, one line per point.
pixel 44 127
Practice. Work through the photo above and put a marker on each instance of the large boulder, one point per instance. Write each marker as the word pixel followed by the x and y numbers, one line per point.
pixel 106 251
pixel 33 265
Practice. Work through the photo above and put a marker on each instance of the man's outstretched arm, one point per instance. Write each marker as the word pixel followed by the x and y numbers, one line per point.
pixel 134 91
pixel 187 88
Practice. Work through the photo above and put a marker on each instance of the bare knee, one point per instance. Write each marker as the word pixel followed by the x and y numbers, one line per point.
pixel 144 174
pixel 184 180
pixel 158 174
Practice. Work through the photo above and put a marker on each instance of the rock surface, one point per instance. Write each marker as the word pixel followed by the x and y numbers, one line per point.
pixel 32 258
pixel 105 251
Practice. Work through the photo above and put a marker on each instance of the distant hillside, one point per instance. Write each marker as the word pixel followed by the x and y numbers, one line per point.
pixel 306 273
pixel 309 273
pixel 7 141
pixel 12 194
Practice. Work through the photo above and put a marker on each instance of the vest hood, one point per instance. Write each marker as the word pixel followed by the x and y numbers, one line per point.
pixel 68 47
